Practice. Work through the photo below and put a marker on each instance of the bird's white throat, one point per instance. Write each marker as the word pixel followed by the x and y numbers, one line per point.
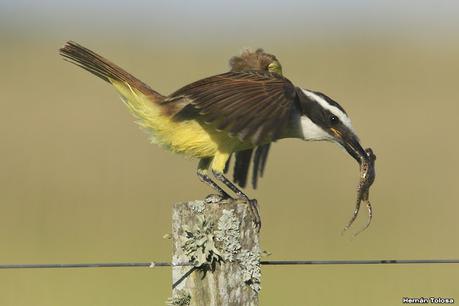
pixel 311 131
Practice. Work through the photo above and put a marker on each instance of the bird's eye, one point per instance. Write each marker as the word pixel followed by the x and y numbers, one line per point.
pixel 334 120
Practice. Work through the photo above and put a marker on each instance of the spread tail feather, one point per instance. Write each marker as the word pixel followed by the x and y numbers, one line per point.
pixel 142 101
pixel 104 69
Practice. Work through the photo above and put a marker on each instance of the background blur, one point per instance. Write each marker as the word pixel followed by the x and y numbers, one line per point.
pixel 79 181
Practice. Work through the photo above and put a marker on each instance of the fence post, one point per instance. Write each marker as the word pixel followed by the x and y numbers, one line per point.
pixel 221 237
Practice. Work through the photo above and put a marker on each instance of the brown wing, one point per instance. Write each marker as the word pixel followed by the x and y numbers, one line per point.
pixel 253 105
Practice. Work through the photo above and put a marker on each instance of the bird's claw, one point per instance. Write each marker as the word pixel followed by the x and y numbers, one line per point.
pixel 216 198
pixel 253 205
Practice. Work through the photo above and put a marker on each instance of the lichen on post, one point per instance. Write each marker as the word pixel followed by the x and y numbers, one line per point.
pixel 222 242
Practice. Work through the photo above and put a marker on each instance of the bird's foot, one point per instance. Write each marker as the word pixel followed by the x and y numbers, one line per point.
pixel 253 205
pixel 216 198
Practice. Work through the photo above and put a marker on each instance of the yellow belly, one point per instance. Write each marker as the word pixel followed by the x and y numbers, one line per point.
pixel 185 137
pixel 189 137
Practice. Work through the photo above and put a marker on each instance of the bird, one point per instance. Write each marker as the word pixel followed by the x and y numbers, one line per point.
pixel 239 112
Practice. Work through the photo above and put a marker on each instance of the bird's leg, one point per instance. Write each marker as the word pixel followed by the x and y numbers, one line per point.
pixel 202 174
pixel 253 204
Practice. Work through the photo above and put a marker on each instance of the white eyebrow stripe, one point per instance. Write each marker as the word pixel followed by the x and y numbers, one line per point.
pixel 333 109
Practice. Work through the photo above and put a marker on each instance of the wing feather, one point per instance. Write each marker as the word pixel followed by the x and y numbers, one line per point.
pixel 259 163
pixel 253 105
pixel 242 165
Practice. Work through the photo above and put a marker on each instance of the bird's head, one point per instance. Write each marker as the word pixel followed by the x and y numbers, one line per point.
pixel 324 119
pixel 255 60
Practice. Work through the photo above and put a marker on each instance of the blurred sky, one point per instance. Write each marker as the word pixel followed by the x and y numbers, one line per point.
pixel 220 20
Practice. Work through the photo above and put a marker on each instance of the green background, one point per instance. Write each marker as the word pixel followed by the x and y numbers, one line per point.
pixel 79 181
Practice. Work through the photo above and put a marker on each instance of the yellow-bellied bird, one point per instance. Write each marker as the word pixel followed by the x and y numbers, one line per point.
pixel 237 112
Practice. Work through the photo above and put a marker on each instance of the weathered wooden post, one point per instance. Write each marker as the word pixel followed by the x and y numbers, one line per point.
pixel 222 241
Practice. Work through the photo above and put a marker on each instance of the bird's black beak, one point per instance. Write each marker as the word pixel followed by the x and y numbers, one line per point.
pixel 351 143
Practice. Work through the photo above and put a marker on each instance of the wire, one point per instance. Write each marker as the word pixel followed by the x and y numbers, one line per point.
pixel 95 265
pixel 263 262
pixel 359 262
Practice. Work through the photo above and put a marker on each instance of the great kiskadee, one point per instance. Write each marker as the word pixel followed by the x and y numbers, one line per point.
pixel 236 112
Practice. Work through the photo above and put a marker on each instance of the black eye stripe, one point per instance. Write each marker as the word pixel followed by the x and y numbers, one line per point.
pixel 329 101
pixel 333 120
pixel 315 112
